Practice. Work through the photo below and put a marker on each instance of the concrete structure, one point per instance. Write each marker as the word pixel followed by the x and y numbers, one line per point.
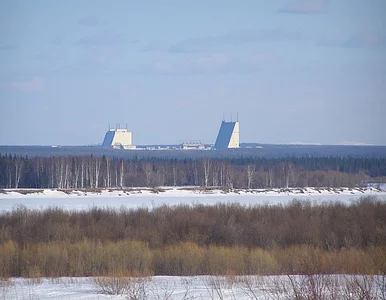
pixel 118 139
pixel 228 136
pixel 192 145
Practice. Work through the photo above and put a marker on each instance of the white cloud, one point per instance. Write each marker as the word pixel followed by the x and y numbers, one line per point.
pixel 211 43
pixel 6 47
pixel 198 65
pixel 105 38
pixel 157 46
pixel 89 21
pixel 304 143
pixel 207 64
pixel 265 35
pixel 36 84
pixel 366 39
pixel 99 59
pixel 353 143
pixel 305 7
pixel 51 54
pixel 164 67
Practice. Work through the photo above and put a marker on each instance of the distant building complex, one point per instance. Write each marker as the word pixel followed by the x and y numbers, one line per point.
pixel 228 136
pixel 118 139
pixel 192 145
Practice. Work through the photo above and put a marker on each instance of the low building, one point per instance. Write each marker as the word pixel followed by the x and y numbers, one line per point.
pixel 192 145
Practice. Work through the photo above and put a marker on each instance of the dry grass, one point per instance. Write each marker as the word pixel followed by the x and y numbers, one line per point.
pixel 133 287
pixel 225 239
pixel 90 258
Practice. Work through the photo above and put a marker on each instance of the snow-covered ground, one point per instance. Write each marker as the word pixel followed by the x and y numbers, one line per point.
pixel 199 287
pixel 163 287
pixel 144 197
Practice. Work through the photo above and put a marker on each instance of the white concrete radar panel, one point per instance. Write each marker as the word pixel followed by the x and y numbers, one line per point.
pixel 228 136
pixel 118 139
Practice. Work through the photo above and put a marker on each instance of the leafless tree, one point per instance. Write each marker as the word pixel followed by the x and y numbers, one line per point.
pixel 250 171
pixel 121 174
pixel 206 166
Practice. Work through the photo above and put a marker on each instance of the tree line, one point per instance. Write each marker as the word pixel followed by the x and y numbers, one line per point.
pixel 83 172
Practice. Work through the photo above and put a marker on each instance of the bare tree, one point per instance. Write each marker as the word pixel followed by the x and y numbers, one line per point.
pixel 59 166
pixel 174 173
pixel 206 165
pixel 108 172
pixel 76 173
pixel 230 177
pixel 18 167
pixel 9 174
pixel 148 172
pixel 97 171
pixel 82 168
pixel 250 171
pixel 122 173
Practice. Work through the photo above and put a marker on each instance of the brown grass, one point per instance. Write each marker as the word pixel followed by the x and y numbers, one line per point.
pixel 90 258
pixel 225 239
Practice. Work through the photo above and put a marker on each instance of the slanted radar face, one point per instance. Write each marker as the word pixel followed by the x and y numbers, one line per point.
pixel 118 139
pixel 228 136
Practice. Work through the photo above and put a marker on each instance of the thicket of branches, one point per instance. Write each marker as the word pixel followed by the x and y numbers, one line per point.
pixel 82 172
pixel 330 226
pixel 299 238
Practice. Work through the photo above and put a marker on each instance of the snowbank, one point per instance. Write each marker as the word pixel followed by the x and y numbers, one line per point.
pixel 150 198
pixel 199 287
pixel 186 191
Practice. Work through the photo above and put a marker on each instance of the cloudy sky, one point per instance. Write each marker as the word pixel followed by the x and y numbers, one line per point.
pixel 310 71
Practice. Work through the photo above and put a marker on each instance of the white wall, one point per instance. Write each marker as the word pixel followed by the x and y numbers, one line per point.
pixel 234 141
pixel 122 138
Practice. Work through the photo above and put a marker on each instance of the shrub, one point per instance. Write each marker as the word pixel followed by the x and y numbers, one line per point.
pixel 134 288
pixel 126 256
pixel 184 259
pixel 8 259
pixel 226 260
pixel 261 262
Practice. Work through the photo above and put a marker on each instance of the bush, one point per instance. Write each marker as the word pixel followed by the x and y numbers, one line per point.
pixel 134 288
pixel 226 260
pixel 185 259
pixel 9 255
pixel 262 262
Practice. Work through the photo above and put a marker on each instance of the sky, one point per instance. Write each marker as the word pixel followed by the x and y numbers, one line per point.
pixel 294 71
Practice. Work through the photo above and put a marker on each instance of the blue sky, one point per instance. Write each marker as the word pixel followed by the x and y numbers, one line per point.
pixel 310 71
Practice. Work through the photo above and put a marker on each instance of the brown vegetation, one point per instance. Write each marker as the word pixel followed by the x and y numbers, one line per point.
pixel 132 286
pixel 226 239
pixel 328 226
pixel 124 258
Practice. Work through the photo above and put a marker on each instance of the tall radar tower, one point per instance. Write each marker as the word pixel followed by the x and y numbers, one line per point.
pixel 228 136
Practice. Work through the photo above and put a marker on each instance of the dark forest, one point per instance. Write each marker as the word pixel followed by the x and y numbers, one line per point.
pixel 84 172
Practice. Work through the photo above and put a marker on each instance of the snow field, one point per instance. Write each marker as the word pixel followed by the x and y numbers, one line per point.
pixel 197 287
pixel 202 287
pixel 139 198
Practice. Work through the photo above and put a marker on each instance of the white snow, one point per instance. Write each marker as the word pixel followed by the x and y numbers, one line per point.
pixel 160 287
pixel 197 287
pixel 145 197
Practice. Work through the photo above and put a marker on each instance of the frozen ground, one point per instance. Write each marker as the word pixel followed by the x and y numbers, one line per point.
pixel 201 287
pixel 79 200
